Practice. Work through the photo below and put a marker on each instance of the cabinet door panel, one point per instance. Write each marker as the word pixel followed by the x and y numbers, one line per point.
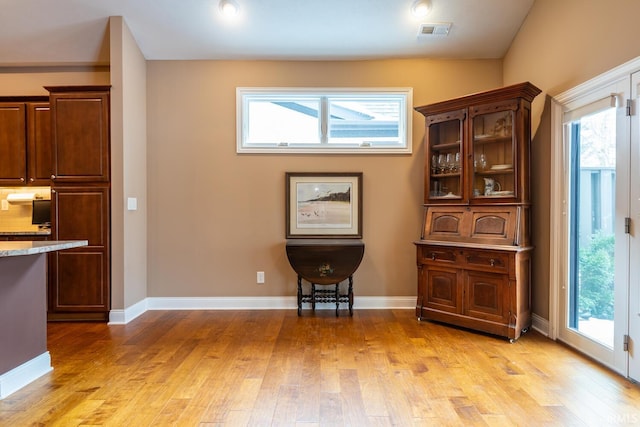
pixel 80 136
pixel 79 281
pixel 39 143
pixel 487 296
pixel 445 155
pixel 442 289
pixel 13 148
pixel 81 214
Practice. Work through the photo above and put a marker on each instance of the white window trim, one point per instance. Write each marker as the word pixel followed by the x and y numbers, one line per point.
pixel 324 148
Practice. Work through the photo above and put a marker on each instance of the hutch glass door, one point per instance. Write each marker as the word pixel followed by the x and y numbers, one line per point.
pixel 445 161
pixel 493 155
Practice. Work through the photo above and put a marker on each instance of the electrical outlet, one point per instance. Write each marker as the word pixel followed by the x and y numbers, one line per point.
pixel 5 205
pixel 260 277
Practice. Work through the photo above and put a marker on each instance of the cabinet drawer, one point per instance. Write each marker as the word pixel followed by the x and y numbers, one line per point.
pixel 493 261
pixel 437 254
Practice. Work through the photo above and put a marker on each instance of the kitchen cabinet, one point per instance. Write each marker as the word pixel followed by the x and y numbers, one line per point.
pixel 25 141
pixel 39 143
pixel 80 279
pixel 80 132
pixel 474 252
pixel 7 237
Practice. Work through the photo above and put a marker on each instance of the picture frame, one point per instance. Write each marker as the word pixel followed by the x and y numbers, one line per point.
pixel 323 205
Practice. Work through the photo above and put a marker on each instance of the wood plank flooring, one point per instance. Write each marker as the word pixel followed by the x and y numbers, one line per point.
pixel 272 368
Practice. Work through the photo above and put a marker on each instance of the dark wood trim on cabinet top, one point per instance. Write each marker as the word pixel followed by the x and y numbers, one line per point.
pixel 101 88
pixel 24 98
pixel 524 90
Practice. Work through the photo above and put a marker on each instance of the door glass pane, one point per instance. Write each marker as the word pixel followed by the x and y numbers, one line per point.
pixel 593 173
pixel 445 144
pixel 493 162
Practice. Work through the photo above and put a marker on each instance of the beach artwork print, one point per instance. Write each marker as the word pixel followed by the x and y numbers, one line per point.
pixel 324 205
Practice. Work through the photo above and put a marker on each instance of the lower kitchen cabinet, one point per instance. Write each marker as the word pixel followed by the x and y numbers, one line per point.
pixel 79 279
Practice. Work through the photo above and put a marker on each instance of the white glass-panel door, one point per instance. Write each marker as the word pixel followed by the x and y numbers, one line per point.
pixel 594 314
pixel 634 235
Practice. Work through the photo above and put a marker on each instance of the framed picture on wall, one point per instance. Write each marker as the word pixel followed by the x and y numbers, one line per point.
pixel 323 205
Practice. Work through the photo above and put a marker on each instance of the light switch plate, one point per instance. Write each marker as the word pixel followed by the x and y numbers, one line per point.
pixel 132 204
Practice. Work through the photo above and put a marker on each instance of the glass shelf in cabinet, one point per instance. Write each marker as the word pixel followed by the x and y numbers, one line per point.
pixel 494 172
pixel 481 139
pixel 445 175
pixel 445 146
pixel 445 196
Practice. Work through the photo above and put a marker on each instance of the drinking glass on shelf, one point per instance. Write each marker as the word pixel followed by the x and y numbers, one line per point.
pixel 434 164
pixel 450 163
pixel 481 163
pixel 442 163
pixel 456 162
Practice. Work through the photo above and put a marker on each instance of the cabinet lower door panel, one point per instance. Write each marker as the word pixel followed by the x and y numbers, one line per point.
pixel 487 296
pixel 442 289
pixel 79 281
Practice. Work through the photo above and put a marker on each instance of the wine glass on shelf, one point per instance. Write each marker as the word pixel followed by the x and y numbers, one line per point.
pixel 481 163
pixel 442 163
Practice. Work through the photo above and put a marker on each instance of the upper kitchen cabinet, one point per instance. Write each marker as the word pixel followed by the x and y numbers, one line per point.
pixel 13 147
pixel 80 132
pixel 25 141
pixel 477 147
pixel 39 143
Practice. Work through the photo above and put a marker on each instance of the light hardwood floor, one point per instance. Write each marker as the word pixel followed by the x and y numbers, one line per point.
pixel 261 368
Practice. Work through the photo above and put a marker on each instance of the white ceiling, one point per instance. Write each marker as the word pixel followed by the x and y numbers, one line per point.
pixel 57 32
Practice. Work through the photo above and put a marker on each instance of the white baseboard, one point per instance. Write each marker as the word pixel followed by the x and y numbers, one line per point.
pixel 540 324
pixel 24 374
pixel 122 317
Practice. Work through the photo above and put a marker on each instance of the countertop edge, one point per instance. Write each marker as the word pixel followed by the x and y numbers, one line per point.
pixel 18 248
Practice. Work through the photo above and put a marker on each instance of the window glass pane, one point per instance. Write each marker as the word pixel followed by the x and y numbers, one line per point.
pixel 317 120
pixel 364 120
pixel 290 120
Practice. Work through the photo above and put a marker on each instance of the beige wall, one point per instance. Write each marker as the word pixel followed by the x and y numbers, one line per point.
pixel 129 167
pixel 216 217
pixel 560 45
pixel 29 81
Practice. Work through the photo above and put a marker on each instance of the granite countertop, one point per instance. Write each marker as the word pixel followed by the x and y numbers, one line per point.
pixel 17 248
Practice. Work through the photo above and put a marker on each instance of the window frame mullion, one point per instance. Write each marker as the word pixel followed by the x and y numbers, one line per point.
pixel 324 120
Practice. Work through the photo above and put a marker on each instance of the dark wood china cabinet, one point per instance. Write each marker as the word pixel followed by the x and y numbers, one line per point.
pixel 474 253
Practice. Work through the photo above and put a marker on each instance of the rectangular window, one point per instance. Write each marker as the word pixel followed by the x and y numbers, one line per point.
pixel 312 120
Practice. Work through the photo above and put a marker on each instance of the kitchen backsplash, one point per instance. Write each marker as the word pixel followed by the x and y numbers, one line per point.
pixel 16 216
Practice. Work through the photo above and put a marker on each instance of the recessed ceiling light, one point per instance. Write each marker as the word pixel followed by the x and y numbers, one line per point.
pixel 421 8
pixel 229 8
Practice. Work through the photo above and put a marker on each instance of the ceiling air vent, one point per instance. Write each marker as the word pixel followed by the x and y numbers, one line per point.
pixel 439 29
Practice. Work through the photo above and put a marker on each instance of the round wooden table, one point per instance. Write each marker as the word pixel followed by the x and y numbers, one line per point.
pixel 325 262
